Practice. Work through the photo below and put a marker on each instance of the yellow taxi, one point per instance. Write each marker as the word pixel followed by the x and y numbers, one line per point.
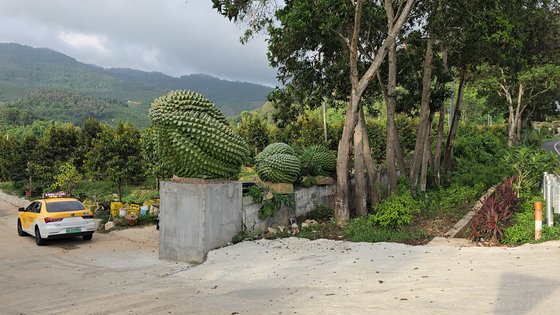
pixel 55 216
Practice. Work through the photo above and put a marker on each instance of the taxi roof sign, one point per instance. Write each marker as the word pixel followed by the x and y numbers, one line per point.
pixel 55 195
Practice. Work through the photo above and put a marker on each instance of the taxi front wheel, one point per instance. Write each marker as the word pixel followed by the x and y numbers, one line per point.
pixel 20 231
pixel 38 239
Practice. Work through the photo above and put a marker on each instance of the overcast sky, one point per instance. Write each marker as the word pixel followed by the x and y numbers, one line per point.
pixel 169 36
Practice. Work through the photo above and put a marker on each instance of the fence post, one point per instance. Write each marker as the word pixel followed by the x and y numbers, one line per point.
pixel 548 197
pixel 538 219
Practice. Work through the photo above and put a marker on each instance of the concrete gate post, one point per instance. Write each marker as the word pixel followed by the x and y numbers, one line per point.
pixel 198 217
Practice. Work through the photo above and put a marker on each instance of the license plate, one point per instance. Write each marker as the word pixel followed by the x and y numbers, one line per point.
pixel 73 230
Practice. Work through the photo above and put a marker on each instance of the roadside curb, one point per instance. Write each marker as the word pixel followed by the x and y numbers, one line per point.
pixel 460 228
pixel 14 200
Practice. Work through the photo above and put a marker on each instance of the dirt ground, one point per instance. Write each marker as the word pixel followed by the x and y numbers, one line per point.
pixel 120 273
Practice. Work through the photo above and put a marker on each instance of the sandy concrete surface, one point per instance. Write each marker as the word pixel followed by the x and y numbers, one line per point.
pixel 120 273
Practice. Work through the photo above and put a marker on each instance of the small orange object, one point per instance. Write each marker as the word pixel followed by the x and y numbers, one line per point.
pixel 538 219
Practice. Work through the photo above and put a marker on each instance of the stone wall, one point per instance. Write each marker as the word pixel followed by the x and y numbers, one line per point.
pixel 306 200
pixel 14 200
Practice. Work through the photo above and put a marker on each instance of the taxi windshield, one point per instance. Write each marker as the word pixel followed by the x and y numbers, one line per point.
pixel 62 206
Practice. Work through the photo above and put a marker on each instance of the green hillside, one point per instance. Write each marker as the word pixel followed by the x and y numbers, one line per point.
pixel 24 69
pixel 69 106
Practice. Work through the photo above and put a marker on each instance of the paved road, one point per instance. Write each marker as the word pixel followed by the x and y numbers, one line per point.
pixel 119 273
pixel 553 146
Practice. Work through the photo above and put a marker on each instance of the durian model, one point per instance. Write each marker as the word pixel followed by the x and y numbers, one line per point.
pixel 194 138
pixel 278 163
pixel 319 160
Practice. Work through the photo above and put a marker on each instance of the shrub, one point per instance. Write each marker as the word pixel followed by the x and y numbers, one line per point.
pixel 529 165
pixel 321 213
pixel 396 211
pixel 523 229
pixel 495 215
pixel 255 132
pixel 362 230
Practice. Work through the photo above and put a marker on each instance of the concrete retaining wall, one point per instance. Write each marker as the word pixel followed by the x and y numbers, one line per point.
pixel 196 218
pixel 14 200
pixel 306 200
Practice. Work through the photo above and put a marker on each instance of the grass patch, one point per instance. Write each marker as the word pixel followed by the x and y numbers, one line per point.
pixel 247 174
pixel 362 230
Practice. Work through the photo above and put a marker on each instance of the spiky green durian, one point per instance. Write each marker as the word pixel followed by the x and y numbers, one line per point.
pixel 194 138
pixel 278 163
pixel 319 160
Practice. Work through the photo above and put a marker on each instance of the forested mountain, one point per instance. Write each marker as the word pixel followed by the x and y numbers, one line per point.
pixel 24 69
pixel 69 106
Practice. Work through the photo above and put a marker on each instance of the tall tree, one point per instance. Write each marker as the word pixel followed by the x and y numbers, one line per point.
pixel 115 156
pixel 310 33
pixel 523 44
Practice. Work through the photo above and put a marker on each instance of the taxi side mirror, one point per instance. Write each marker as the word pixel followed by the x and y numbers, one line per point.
pixel 21 209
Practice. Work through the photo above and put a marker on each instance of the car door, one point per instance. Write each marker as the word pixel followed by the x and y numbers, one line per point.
pixel 26 216
pixel 34 214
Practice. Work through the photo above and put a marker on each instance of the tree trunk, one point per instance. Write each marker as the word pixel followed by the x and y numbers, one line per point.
pixel 392 136
pixel 441 124
pixel 439 143
pixel 424 115
pixel 325 119
pixel 427 156
pixel 389 95
pixel 119 191
pixel 370 166
pixel 359 179
pixel 342 211
pixel 453 129
pixel 398 153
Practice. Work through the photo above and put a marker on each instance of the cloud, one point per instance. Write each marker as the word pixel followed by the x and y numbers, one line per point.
pixel 83 41
pixel 168 36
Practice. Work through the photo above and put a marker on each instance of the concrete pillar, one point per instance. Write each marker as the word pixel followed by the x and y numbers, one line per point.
pixel 196 218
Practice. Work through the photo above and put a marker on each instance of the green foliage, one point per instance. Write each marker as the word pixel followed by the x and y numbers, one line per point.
pixel 321 213
pixel 523 229
pixel 308 181
pixel 532 139
pixel 91 131
pixel 194 139
pixel 270 205
pixel 439 203
pixel 66 179
pixel 56 148
pixel 64 105
pixel 255 132
pixel 529 165
pixel 278 163
pixel 138 195
pixel 362 229
pixel 477 157
pixel 116 156
pixel 305 130
pixel 15 117
pixel 152 160
pixel 249 234
pixel 396 211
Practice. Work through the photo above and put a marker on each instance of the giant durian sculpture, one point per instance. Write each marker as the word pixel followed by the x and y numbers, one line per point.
pixel 278 163
pixel 318 161
pixel 194 138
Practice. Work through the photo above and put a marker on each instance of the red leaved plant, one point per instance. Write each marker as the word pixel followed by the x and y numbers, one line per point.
pixel 491 220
